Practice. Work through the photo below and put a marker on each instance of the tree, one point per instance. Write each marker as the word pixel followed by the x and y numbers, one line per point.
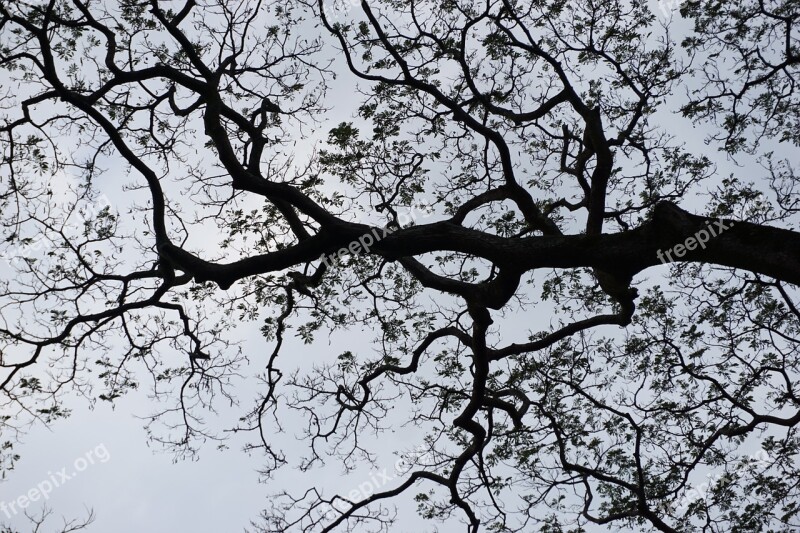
pixel 506 158
pixel 67 526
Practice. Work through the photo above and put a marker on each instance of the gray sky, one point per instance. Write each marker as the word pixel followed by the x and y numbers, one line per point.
pixel 139 488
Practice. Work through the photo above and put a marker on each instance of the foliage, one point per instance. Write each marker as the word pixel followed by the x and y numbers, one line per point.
pixel 511 159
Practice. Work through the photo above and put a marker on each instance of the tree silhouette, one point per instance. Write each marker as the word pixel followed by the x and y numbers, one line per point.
pixel 507 159
pixel 38 523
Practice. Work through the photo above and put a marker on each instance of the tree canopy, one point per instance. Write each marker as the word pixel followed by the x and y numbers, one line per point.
pixel 568 229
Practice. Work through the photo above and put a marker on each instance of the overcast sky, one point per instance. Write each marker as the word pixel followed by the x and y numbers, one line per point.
pixel 135 488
